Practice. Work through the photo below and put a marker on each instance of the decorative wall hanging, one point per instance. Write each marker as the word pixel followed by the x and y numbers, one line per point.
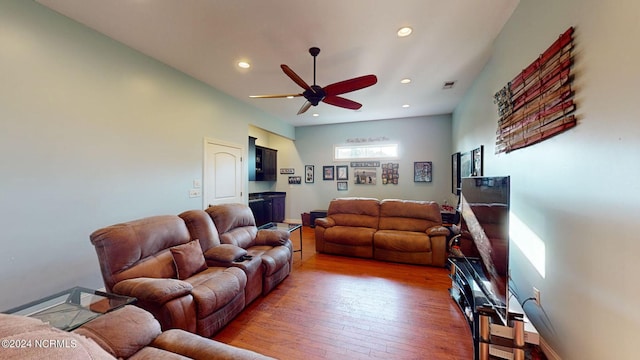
pixel 390 173
pixel 365 164
pixel 422 171
pixel 343 186
pixel 295 180
pixel 308 173
pixel 342 172
pixel 327 172
pixel 538 103
pixel 366 176
pixel 287 171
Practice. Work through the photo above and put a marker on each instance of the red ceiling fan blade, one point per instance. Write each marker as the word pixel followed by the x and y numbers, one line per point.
pixel 273 96
pixel 350 85
pixel 297 79
pixel 304 107
pixel 342 102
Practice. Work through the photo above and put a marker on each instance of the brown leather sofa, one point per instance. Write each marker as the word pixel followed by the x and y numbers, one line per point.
pixel 178 269
pixel 127 333
pixel 405 231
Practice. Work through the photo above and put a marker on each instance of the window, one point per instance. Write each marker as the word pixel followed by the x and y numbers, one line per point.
pixel 354 152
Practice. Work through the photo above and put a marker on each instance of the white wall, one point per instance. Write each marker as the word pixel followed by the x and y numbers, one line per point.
pixel 92 133
pixel 420 139
pixel 578 191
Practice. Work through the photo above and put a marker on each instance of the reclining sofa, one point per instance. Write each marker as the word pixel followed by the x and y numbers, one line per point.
pixel 181 272
pixel 405 231
pixel 126 333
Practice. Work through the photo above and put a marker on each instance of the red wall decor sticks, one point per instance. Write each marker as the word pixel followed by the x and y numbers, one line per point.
pixel 538 103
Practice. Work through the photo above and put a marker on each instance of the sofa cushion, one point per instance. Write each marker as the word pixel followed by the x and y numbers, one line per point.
pixel 225 253
pixel 358 212
pixel 188 259
pixel 197 347
pixel 409 215
pixel 348 235
pixel 215 288
pixel 53 343
pixel 403 241
pixel 135 329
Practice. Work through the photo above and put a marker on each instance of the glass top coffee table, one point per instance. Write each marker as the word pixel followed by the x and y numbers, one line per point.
pixel 69 309
pixel 287 227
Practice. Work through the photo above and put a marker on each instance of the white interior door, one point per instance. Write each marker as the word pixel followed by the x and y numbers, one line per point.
pixel 223 181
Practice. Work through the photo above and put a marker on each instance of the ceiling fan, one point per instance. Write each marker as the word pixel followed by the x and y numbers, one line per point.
pixel 328 94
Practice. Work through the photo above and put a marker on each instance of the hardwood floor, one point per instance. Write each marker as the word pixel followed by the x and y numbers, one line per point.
pixel 334 307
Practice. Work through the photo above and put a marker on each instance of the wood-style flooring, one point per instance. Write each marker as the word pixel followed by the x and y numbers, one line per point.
pixel 334 307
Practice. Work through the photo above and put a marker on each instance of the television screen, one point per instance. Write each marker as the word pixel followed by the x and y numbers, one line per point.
pixel 485 212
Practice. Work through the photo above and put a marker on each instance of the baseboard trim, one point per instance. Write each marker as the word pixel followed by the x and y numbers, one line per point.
pixel 548 351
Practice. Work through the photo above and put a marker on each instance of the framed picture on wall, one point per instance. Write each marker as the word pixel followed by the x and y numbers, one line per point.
pixel 455 173
pixel 465 164
pixel 342 172
pixel 343 186
pixel 295 180
pixel 477 156
pixel 327 173
pixel 308 173
pixel 422 171
pixel 365 176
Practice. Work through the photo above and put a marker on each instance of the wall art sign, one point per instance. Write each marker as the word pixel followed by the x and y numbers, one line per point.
pixel 295 180
pixel 287 171
pixel 365 164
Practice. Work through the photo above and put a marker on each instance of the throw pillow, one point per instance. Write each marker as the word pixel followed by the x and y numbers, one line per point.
pixel 188 259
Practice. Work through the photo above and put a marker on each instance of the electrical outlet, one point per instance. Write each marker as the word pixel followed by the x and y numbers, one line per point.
pixel 195 193
pixel 536 296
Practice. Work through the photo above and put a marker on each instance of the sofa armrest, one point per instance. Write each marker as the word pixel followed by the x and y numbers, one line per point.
pixel 224 254
pixel 272 237
pixel 152 290
pixel 325 222
pixel 122 332
pixel 438 231
pixel 200 348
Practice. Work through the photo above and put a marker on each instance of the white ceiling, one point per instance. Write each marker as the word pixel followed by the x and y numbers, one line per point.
pixel 205 39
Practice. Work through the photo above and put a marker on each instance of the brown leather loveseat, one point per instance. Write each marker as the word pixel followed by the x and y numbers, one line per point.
pixel 405 231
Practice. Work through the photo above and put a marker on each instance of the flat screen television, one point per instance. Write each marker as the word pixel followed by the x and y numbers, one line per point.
pixel 484 203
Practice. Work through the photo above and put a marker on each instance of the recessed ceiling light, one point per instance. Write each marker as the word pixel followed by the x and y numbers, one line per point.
pixel 406 106
pixel 405 81
pixel 316 114
pixel 404 31
pixel 244 64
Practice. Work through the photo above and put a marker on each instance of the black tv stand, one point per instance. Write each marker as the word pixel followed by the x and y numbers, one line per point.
pixel 493 336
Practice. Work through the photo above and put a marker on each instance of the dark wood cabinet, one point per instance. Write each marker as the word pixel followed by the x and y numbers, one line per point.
pixel 267 207
pixel 263 162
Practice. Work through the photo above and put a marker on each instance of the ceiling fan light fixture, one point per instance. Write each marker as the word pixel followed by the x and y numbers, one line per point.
pixel 406 106
pixel 404 31
pixel 405 81
pixel 243 65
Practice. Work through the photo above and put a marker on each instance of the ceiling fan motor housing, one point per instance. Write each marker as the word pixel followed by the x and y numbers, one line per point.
pixel 314 95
